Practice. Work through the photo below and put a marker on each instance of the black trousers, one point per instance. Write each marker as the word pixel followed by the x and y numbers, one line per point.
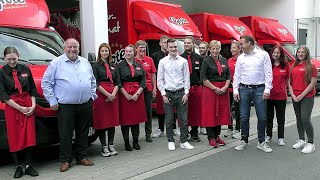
pixel 148 103
pixel 194 131
pixel 102 135
pixel 236 108
pixel 213 132
pixel 280 107
pixel 135 131
pixel 76 117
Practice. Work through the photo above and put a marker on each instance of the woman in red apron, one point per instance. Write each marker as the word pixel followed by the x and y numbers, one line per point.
pixel 215 75
pixel 131 99
pixel 106 107
pixel 18 91
pixel 235 51
pixel 151 90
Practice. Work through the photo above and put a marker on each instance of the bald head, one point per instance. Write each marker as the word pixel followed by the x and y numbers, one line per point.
pixel 71 48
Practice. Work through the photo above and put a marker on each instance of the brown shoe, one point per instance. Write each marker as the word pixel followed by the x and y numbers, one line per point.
pixel 85 162
pixel 64 167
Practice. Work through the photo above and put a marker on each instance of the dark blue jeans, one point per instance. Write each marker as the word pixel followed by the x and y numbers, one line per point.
pixel 255 95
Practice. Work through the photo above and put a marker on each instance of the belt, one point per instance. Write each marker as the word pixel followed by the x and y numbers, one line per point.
pixel 175 92
pixel 252 86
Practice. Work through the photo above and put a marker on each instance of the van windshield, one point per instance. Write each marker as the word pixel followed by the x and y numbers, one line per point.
pixel 291 48
pixel 32 45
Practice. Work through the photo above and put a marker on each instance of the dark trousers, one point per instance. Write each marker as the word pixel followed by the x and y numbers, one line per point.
pixel 175 101
pixel 148 103
pixel 135 131
pixel 303 110
pixel 280 107
pixel 213 132
pixel 102 135
pixel 76 117
pixel 194 131
pixel 236 108
pixel 161 118
pixel 17 156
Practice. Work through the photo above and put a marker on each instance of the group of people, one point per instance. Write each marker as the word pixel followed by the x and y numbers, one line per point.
pixel 198 90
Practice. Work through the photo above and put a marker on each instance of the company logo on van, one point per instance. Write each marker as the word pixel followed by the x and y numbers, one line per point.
pixel 4 3
pixel 283 31
pixel 178 21
pixel 240 29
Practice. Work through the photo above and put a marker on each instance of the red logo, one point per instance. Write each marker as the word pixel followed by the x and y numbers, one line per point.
pixel 24 75
pixel 138 68
pixel 222 65
pixel 197 62
pixel 281 70
pixel 112 68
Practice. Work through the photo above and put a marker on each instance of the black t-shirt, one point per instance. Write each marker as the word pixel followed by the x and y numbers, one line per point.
pixel 196 61
pixel 157 56
pixel 25 77
pixel 100 73
pixel 209 70
pixel 126 76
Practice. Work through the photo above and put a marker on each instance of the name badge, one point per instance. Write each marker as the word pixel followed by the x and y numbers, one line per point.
pixel 281 70
pixel 196 67
pixel 197 62
pixel 24 75
pixel 301 69
pixel 222 65
pixel 112 68
pixel 138 68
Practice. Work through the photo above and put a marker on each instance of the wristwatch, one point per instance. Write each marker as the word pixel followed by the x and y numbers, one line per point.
pixel 138 94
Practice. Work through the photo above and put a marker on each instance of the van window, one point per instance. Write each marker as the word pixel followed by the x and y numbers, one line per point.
pixel 268 47
pixel 32 45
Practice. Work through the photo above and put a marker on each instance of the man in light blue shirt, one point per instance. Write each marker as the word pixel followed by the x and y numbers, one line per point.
pixel 70 88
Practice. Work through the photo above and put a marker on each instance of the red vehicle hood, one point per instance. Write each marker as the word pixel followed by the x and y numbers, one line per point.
pixel 37 73
pixel 226 27
pixel 169 19
pixel 316 62
pixel 268 29
pixel 25 13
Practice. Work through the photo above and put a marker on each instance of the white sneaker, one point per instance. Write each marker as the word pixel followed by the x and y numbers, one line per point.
pixel 112 150
pixel 105 151
pixel 229 133
pixel 203 131
pixel 268 139
pixel 241 146
pixel 299 144
pixel 171 146
pixel 236 135
pixel 176 132
pixel 264 147
pixel 158 133
pixel 308 148
pixel 281 142
pixel 186 145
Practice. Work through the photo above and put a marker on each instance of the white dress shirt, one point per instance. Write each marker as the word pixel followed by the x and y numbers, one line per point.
pixel 253 69
pixel 173 74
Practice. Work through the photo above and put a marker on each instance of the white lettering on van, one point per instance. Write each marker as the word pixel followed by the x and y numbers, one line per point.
pixel 118 56
pixel 283 31
pixel 10 2
pixel 178 21
pixel 116 28
pixel 240 29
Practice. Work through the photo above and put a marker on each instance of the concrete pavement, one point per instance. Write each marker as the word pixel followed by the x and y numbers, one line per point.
pixel 153 159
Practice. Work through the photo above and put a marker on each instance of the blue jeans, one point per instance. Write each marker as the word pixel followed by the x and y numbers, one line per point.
pixel 247 95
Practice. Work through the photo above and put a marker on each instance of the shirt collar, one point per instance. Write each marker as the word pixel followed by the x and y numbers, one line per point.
pixel 173 58
pixel 65 58
pixel 254 51
pixel 7 69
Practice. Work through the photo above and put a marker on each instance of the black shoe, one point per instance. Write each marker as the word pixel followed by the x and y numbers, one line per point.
pixel 195 139
pixel 18 172
pixel 148 138
pixel 30 171
pixel 136 146
pixel 127 146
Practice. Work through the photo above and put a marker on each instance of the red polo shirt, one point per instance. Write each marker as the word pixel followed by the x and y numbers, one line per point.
pixel 280 76
pixel 232 65
pixel 298 83
pixel 149 67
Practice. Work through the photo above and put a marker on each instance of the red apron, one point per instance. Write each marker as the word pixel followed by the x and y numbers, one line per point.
pixel 195 106
pixel 105 114
pixel 132 112
pixel 21 130
pixel 160 109
pixel 215 108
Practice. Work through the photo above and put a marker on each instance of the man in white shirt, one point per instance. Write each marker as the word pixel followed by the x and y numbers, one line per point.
pixel 173 81
pixel 252 82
